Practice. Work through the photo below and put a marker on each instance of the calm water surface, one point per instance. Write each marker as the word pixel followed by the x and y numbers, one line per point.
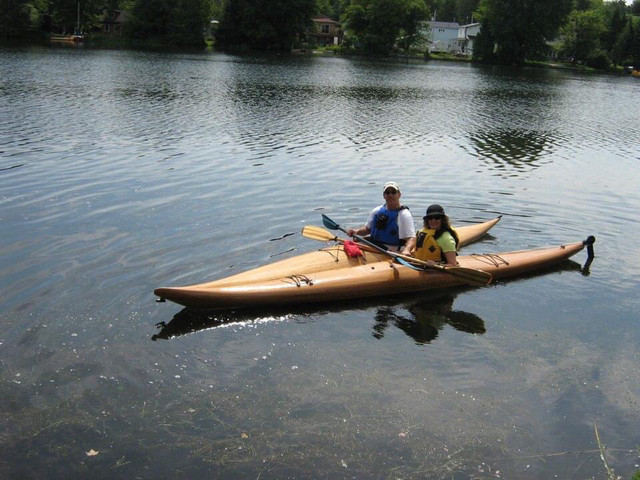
pixel 124 171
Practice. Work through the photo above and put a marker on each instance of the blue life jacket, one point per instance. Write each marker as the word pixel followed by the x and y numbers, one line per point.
pixel 384 228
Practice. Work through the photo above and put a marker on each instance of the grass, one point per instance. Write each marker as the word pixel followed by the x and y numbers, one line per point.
pixel 610 473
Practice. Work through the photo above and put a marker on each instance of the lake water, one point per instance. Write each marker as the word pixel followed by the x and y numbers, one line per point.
pixel 124 171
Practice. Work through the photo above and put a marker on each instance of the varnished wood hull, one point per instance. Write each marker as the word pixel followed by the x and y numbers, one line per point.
pixel 334 258
pixel 327 259
pixel 365 280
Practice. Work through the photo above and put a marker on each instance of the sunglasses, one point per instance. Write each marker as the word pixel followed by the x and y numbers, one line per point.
pixel 435 217
pixel 390 192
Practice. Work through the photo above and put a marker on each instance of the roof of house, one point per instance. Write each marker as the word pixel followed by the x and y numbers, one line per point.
pixel 436 24
pixel 323 19
pixel 118 16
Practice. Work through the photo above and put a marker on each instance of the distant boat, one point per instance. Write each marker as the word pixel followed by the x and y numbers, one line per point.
pixel 66 38
pixel 76 37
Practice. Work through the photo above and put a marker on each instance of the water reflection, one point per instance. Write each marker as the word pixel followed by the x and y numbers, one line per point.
pixel 427 313
pixel 513 149
pixel 426 318
pixel 190 321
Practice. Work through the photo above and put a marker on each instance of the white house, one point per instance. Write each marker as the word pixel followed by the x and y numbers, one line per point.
pixel 442 36
pixel 466 36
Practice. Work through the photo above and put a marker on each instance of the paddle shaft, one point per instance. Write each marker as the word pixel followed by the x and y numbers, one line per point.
pixel 397 256
pixel 469 275
pixel 320 234
pixel 384 250
pixel 371 244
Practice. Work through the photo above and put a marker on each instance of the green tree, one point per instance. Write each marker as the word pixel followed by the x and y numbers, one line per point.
pixel 216 10
pixel 189 21
pixel 616 19
pixel 355 16
pixel 445 10
pixel 465 10
pixel 514 31
pixel 150 19
pixel 635 7
pixel 21 18
pixel 410 32
pixel 581 35
pixel 64 14
pixel 332 8
pixel 635 44
pixel 170 22
pixel 264 24
pixel 582 5
pixel 621 52
pixel 385 21
pixel 376 24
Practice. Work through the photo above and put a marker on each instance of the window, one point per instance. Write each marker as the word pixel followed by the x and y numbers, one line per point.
pixel 325 28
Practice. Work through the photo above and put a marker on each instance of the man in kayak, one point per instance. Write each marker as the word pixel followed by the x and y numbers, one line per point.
pixel 389 225
pixel 437 241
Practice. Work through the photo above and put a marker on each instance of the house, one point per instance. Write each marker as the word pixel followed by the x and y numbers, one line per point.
pixel 466 36
pixel 442 36
pixel 113 21
pixel 325 31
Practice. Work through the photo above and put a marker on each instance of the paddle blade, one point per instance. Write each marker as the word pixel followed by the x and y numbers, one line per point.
pixel 318 233
pixel 330 224
pixel 471 276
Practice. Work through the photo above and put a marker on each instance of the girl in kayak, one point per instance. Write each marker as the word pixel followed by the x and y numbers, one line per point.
pixel 389 225
pixel 437 241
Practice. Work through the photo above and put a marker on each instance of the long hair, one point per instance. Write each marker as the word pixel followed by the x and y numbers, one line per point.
pixel 445 226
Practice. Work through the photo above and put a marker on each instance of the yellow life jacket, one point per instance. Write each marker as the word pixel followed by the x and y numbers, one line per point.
pixel 427 247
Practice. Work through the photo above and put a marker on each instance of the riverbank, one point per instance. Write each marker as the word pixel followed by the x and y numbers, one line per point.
pixel 451 57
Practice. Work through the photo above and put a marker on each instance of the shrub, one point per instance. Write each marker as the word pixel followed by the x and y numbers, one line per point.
pixel 599 60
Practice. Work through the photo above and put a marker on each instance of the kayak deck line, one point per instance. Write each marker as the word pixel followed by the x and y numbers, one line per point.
pixel 492 258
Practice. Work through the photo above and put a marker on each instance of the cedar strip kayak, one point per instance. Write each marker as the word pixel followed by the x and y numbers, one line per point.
pixel 332 258
pixel 382 277
pixel 372 279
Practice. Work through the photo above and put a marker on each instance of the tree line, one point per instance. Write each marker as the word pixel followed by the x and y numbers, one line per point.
pixel 590 32
pixel 596 33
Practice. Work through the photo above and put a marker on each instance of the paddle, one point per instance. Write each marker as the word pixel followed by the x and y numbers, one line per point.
pixel 468 275
pixel 318 233
pixel 471 276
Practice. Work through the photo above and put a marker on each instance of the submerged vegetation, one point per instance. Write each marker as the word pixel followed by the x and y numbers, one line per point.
pixel 214 426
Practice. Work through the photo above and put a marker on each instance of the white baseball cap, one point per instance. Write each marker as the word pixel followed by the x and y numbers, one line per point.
pixel 391 185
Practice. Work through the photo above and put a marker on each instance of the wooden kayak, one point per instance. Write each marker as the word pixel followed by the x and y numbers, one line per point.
pixel 373 278
pixel 330 258
pixel 326 259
